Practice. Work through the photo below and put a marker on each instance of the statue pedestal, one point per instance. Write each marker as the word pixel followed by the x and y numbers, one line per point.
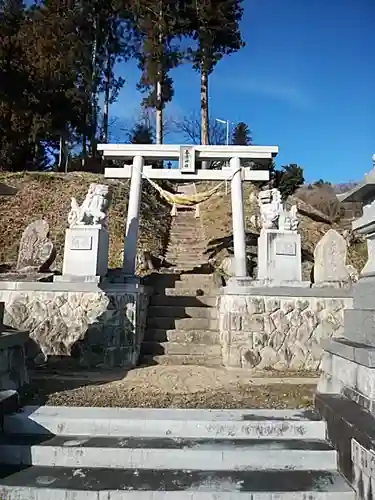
pixel 279 256
pixel 86 251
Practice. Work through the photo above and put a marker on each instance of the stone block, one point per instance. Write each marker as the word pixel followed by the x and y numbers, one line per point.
pixel 1 316
pixel 9 403
pixel 279 256
pixel 349 374
pixel 13 371
pixel 360 325
pixel 346 421
pixel 363 293
pixel 353 351
pixel 86 251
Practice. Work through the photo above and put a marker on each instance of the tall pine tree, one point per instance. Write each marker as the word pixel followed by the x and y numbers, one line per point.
pixel 215 28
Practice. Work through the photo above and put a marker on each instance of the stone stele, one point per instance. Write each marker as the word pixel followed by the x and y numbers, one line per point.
pixel 330 259
pixel 36 253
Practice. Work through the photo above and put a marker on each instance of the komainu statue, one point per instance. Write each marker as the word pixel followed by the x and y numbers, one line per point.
pixel 94 209
pixel 288 220
pixel 270 206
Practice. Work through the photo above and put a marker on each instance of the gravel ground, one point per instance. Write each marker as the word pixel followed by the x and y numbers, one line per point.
pixel 171 386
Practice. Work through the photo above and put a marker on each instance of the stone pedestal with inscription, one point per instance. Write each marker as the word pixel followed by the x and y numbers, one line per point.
pixel 279 257
pixel 86 253
pixel 346 389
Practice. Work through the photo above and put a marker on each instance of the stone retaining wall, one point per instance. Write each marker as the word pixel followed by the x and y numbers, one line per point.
pixel 98 327
pixel 282 331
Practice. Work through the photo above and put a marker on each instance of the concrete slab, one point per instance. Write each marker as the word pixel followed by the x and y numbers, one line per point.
pixel 167 453
pixel 44 483
pixel 226 424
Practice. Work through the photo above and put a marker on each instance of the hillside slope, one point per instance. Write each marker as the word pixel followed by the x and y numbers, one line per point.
pixel 47 196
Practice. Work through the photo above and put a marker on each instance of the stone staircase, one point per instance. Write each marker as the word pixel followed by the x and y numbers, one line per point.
pixel 182 324
pixel 187 245
pixel 66 453
pixel 182 317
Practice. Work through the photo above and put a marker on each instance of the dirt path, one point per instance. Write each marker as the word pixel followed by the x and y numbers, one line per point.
pixel 172 386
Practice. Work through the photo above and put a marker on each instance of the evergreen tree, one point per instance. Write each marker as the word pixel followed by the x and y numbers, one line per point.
pixel 288 179
pixel 241 135
pixel 214 25
pixel 159 25
pixel 141 133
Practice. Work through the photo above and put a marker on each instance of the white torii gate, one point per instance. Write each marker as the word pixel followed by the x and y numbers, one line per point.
pixel 187 155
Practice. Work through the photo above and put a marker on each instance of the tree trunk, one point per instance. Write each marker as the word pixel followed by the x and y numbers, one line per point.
pixel 106 99
pixel 159 112
pixel 204 107
pixel 94 115
pixel 159 86
pixel 204 110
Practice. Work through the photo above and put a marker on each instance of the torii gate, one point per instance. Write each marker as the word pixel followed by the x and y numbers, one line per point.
pixel 187 155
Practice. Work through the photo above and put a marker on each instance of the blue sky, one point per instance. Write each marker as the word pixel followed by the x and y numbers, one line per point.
pixel 305 81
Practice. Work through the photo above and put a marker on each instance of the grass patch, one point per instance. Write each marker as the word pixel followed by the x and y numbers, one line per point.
pixel 48 195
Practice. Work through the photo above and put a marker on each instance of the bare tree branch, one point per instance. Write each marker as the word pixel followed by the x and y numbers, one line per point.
pixel 190 127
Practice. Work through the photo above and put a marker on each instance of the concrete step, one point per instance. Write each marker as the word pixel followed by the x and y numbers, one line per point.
pixel 208 337
pixel 180 423
pixel 179 258
pixel 194 243
pixel 181 359
pixel 181 349
pixel 44 483
pixel 167 453
pixel 179 300
pixel 182 324
pixel 185 291
pixel 182 312
pixel 182 261
pixel 186 236
pixel 187 246
pixel 186 232
pixel 171 280
pixel 186 253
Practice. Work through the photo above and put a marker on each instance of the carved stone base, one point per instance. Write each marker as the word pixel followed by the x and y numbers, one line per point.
pixel 279 256
pixel 86 251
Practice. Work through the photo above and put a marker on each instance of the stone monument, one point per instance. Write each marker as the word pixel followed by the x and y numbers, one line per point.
pixel 37 252
pixel 330 267
pixel 346 390
pixel 86 240
pixel 279 244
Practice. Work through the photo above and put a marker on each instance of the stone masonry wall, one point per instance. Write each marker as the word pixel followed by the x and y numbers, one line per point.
pixel 97 328
pixel 278 332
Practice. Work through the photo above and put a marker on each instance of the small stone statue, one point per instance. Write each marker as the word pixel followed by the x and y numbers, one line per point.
pixel 270 205
pixel 288 220
pixel 94 208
